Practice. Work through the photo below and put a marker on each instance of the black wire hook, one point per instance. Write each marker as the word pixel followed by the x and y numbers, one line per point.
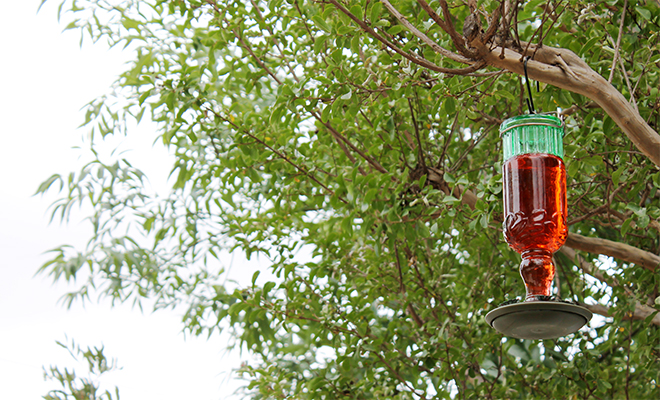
pixel 530 101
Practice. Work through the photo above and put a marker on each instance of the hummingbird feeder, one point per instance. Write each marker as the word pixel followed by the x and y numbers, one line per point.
pixel 534 192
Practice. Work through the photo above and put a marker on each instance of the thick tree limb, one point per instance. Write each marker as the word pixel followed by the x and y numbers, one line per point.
pixel 564 69
pixel 640 313
pixel 618 250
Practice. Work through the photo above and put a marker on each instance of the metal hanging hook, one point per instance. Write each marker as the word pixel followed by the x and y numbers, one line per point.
pixel 530 101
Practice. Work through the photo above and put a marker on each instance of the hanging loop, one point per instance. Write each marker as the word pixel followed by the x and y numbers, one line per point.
pixel 530 101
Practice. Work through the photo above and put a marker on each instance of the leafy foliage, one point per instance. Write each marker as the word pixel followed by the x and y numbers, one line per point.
pixel 296 132
pixel 79 388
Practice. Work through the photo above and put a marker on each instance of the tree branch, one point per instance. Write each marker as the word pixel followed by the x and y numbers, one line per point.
pixel 564 69
pixel 618 42
pixel 587 267
pixel 641 312
pixel 341 137
pixel 555 66
pixel 409 56
pixel 618 250
pixel 436 47
pixel 447 25
pixel 281 155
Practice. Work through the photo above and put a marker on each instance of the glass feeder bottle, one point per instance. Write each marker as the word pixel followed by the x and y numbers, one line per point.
pixel 534 179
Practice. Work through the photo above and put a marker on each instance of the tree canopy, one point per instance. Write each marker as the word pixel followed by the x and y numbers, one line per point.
pixel 353 147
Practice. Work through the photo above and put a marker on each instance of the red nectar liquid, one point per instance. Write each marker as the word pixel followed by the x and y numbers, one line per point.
pixel 535 216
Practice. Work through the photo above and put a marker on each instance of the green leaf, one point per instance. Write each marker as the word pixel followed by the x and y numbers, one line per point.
pixel 371 194
pixel 321 23
pixel 589 44
pixel 450 199
pixel 484 221
pixel 255 276
pixel 45 185
pixel 356 10
pixel 347 96
pixel 450 105
pixel 505 94
pixel 374 13
pixel 325 115
pixel 595 161
pixel 267 288
pixel 616 176
pixel 644 12
pixel 625 227
pixel 395 29
pixel 130 23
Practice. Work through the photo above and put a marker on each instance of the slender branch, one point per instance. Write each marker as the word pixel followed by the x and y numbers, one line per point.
pixel 276 152
pixel 618 42
pixel 454 125
pixel 420 150
pixel 622 251
pixel 633 102
pixel 402 290
pixel 590 268
pixel 275 41
pixel 646 64
pixel 600 209
pixel 411 57
pixel 261 64
pixel 493 24
pixel 446 25
pixel 343 147
pixel 338 135
pixel 435 46
pixel 467 151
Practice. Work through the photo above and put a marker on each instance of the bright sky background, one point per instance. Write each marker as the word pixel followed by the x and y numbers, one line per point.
pixel 45 79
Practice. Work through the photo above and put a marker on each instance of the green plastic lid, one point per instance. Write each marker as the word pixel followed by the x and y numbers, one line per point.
pixel 532 133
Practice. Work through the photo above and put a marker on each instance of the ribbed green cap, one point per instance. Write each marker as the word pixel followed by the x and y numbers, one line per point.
pixel 532 133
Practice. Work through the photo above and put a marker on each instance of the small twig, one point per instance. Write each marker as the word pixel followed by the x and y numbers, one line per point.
pixel 646 64
pixel 632 100
pixel 600 209
pixel 447 141
pixel 589 268
pixel 277 42
pixel 470 147
pixel 302 18
pixel 276 152
pixel 493 24
pixel 338 135
pixel 420 150
pixel 618 42
pixel 261 64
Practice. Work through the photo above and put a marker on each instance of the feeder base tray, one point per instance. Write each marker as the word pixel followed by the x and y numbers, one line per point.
pixel 538 319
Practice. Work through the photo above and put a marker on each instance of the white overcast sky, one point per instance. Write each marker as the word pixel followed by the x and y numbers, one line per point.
pixel 45 79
